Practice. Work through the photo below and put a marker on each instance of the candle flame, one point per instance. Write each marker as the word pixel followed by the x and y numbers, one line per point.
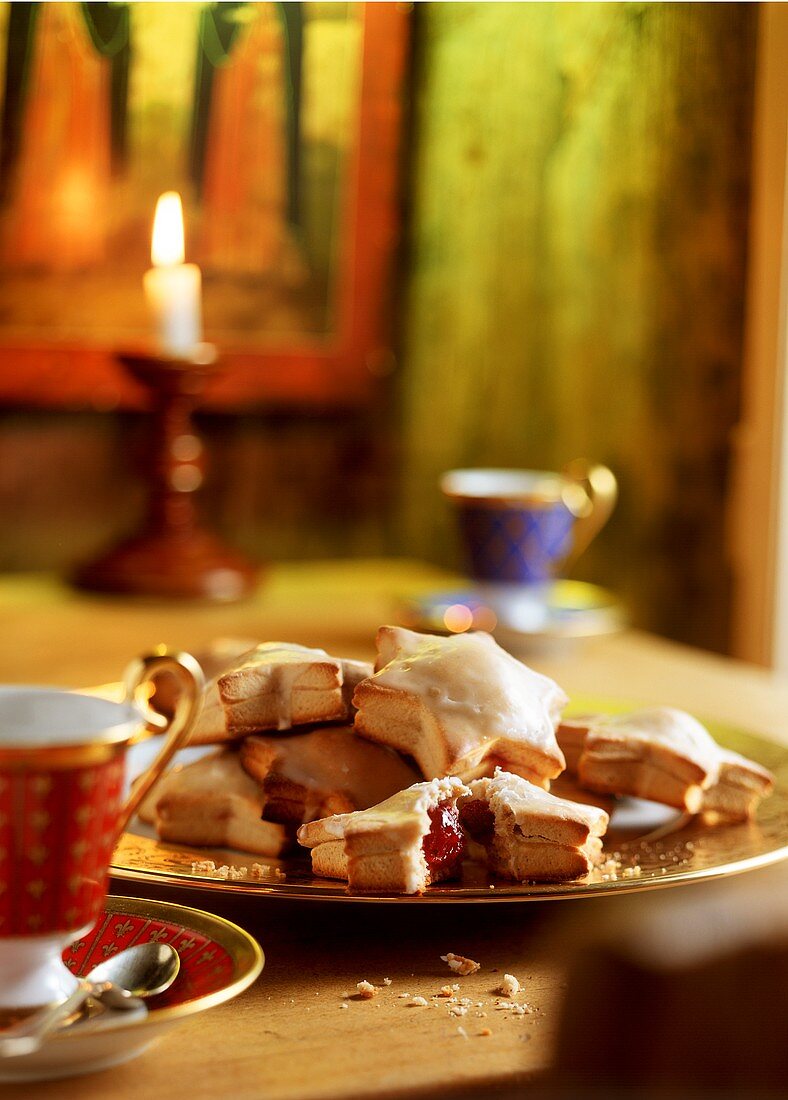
pixel 167 246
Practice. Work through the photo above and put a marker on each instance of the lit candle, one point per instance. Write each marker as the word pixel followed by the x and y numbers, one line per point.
pixel 173 287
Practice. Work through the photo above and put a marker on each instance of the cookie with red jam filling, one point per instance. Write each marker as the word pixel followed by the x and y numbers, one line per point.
pixel 528 834
pixel 400 846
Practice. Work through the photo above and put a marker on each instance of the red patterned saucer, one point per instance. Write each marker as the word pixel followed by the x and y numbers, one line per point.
pixel 218 961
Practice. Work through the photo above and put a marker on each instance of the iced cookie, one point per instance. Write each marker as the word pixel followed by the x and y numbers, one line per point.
pixel 213 803
pixel 666 755
pixel 276 686
pixel 528 834
pixel 460 706
pixel 399 846
pixel 324 771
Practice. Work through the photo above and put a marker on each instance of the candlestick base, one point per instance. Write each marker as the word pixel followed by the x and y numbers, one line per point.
pixel 166 564
pixel 173 555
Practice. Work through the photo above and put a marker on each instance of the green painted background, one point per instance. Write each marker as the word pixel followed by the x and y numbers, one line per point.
pixel 576 283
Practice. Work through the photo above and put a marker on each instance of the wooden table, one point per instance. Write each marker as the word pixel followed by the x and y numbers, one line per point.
pixel 288 1036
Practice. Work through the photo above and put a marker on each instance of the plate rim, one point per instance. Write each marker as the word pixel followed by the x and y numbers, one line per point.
pixel 285 892
pixel 251 956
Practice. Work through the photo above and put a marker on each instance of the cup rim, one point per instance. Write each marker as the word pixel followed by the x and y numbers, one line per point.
pixel 545 486
pixel 81 732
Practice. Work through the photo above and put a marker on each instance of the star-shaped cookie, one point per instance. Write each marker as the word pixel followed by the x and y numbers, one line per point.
pixel 665 755
pixel 277 685
pixel 213 802
pixel 460 706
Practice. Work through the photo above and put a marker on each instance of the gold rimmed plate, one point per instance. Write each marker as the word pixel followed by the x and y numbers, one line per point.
pixel 218 961
pixel 649 847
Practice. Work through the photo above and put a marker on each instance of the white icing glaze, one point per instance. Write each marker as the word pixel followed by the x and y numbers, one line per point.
pixel 408 806
pixel 274 667
pixel 734 759
pixel 474 688
pixel 220 772
pixel 675 729
pixel 524 799
pixel 222 654
pixel 338 760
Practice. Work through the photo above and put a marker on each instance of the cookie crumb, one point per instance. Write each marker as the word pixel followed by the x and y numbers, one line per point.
pixel 461 1031
pixel 208 868
pixel 444 991
pixel 387 981
pixel 366 990
pixel 485 1031
pixel 509 987
pixel 458 1010
pixel 259 871
pixel 203 867
pixel 460 964
pixel 419 1002
pixel 344 1006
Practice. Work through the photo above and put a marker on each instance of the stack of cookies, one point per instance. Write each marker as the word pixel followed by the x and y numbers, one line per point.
pixel 393 775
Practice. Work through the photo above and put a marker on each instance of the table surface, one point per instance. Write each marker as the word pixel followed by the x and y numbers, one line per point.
pixel 288 1036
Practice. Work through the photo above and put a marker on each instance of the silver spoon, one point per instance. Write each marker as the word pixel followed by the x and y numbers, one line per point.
pixel 120 982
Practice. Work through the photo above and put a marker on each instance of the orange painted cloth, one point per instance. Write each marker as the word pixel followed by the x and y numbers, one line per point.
pixel 244 197
pixel 59 208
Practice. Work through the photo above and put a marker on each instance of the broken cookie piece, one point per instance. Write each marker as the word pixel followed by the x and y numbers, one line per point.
pixel 399 846
pixel 528 834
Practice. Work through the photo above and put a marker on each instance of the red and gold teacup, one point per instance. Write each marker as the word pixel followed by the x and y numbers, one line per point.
pixel 62 758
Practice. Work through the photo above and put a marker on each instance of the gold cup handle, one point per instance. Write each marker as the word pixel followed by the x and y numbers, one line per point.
pixel 191 682
pixel 590 494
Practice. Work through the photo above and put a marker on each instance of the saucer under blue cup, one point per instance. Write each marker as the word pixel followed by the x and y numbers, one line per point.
pixel 556 611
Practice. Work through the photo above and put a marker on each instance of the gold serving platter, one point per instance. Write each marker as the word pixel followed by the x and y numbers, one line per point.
pixel 650 847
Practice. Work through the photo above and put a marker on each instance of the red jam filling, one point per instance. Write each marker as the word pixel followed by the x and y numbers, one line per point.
pixel 478 819
pixel 444 844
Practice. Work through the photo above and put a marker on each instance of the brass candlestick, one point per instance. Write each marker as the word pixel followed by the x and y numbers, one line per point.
pixel 173 555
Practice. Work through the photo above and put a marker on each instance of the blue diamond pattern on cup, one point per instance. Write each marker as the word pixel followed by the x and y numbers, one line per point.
pixel 517 543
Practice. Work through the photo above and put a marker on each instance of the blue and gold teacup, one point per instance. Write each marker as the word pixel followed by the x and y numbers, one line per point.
pixel 523 527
